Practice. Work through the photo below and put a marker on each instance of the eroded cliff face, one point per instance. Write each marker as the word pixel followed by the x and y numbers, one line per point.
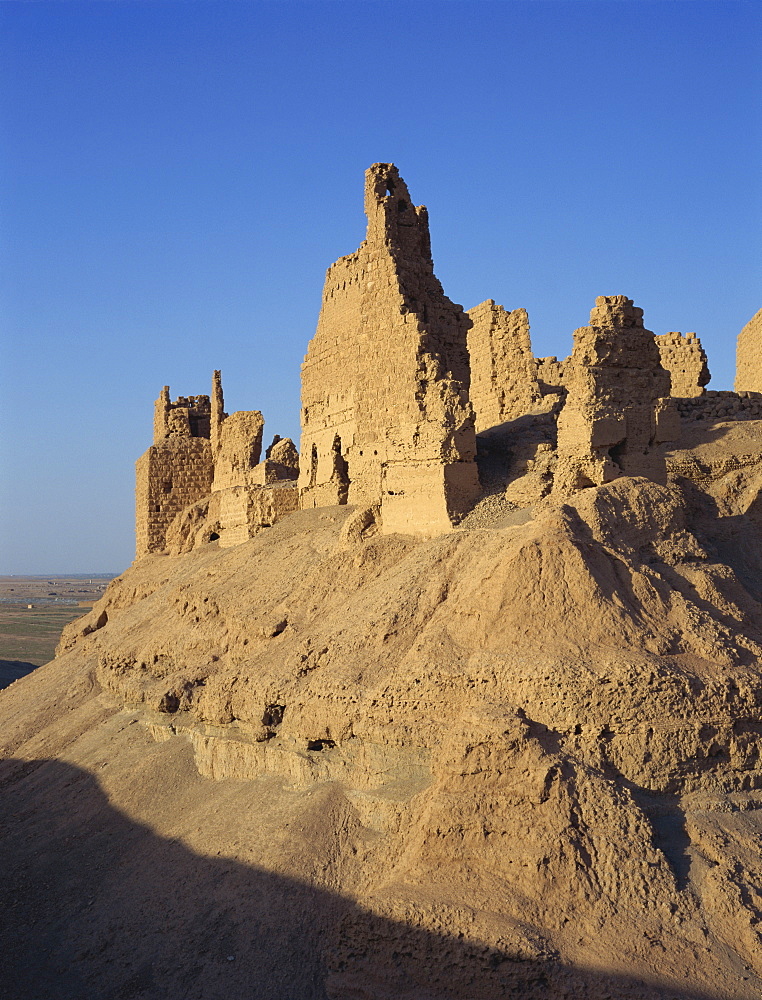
pixel 518 761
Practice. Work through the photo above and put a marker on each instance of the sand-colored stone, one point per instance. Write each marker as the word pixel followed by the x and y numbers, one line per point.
pixel 202 479
pixel 238 450
pixel 504 381
pixel 526 758
pixel 385 410
pixel 749 356
pixel 684 358
pixel 177 469
pixel 551 375
pixel 613 420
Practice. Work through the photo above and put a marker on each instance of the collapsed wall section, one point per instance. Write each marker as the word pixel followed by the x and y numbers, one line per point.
pixel 177 469
pixel 202 478
pixel 685 360
pixel 247 494
pixel 616 415
pixel 504 382
pixel 238 449
pixel 749 356
pixel 385 409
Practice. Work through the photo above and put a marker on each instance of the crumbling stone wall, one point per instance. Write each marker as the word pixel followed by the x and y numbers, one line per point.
pixel 749 356
pixel 239 446
pixel 685 360
pixel 202 478
pixel 713 406
pixel 551 376
pixel 615 415
pixel 176 470
pixel 385 408
pixel 504 382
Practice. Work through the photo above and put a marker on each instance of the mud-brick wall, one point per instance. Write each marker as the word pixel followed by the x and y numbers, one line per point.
pixel 171 475
pixel 716 406
pixel 749 356
pixel 684 358
pixel 504 382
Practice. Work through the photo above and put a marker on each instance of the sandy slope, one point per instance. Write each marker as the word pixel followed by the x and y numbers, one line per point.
pixel 326 763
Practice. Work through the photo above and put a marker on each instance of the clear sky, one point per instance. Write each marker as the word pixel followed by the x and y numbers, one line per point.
pixel 177 176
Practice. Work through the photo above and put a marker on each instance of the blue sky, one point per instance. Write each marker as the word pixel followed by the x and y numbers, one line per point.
pixel 177 176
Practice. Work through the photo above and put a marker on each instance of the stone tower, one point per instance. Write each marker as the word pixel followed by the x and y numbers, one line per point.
pixel 616 414
pixel 177 469
pixel 385 410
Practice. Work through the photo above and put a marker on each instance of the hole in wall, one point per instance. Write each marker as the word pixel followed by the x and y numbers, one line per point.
pixel 616 452
pixel 273 715
pixel 313 465
pixel 320 744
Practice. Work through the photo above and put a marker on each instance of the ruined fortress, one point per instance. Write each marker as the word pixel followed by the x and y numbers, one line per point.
pixel 482 716
pixel 426 416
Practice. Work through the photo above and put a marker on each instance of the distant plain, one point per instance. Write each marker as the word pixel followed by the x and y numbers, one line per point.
pixel 33 611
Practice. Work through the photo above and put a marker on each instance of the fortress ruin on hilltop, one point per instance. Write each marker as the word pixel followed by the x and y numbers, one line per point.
pixel 427 417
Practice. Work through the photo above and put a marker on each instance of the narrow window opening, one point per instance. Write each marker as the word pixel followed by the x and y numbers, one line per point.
pixel 313 465
pixel 340 470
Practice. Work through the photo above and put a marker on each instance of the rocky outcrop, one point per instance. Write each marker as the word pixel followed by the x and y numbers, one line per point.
pixel 542 740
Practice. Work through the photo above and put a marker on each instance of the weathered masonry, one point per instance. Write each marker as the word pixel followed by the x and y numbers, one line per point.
pixel 202 479
pixel 749 356
pixel 386 416
pixel 176 470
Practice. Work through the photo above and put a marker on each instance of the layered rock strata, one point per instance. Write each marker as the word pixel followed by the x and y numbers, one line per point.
pixel 524 758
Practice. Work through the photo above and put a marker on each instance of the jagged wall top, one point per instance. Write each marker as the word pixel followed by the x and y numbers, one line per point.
pixel 393 220
pixel 385 409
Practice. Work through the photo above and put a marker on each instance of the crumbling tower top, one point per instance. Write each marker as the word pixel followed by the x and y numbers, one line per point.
pixel 386 417
pixel 393 220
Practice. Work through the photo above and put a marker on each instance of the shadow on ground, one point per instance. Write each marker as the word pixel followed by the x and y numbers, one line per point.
pixel 95 905
pixel 12 670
